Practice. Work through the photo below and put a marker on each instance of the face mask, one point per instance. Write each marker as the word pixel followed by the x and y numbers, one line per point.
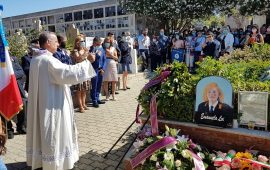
pixel 194 33
pixel 107 45
pixel 154 40
pixel 82 44
pixel 177 37
pixel 254 30
pixel 225 32
pixel 127 38
pixel 97 47
pixel 161 33
pixel 62 45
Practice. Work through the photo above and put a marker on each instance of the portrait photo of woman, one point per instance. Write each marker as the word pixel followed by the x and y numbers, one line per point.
pixel 212 110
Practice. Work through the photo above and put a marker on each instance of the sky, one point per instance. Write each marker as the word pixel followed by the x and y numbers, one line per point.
pixel 19 7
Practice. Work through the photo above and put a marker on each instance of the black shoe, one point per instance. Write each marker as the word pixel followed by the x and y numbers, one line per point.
pixel 116 92
pixel 96 105
pixel 128 87
pixel 10 134
pixel 101 102
pixel 21 131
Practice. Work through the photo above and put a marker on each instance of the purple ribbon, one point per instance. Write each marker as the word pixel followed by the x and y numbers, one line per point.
pixel 138 120
pixel 157 80
pixel 198 163
pixel 153 115
pixel 150 150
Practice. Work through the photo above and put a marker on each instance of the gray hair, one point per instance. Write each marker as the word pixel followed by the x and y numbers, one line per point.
pixel 44 37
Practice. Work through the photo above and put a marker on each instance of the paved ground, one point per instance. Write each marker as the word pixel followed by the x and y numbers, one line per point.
pixel 98 130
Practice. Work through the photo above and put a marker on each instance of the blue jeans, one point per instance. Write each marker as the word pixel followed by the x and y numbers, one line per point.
pixel 96 87
pixel 126 67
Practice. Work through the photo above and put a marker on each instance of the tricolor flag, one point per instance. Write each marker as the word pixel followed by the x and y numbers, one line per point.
pixel 10 98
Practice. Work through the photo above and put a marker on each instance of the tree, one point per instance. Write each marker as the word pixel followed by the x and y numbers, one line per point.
pixel 176 13
pixel 254 7
pixel 17 44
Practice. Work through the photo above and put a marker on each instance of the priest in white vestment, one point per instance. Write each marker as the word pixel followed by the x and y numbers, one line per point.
pixel 51 140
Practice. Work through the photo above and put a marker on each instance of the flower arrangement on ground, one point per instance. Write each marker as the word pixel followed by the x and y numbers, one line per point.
pixel 172 151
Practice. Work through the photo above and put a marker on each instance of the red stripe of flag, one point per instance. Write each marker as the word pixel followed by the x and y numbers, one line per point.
pixel 11 101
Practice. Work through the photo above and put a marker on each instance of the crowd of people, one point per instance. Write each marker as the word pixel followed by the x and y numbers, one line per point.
pixel 191 45
pixel 107 55
pixel 49 74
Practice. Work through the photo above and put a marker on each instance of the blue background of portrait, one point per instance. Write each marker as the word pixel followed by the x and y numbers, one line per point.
pixel 222 83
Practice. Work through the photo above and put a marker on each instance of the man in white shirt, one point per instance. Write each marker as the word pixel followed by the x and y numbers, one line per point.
pixel 51 139
pixel 144 43
pixel 227 41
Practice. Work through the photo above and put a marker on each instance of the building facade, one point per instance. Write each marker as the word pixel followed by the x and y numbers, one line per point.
pixel 92 19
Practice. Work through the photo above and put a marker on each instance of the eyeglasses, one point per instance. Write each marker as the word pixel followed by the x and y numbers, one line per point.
pixel 82 41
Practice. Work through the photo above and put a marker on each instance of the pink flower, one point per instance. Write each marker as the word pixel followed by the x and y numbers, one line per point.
pixel 224 167
pixel 236 163
pixel 256 167
pixel 262 159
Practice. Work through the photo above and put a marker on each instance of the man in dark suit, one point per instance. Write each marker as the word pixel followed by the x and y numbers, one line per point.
pixel 21 117
pixel 61 54
pixel 98 65
pixel 217 114
pixel 26 60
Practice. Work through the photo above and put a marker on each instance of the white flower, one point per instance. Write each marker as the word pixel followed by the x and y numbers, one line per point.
pixel 153 158
pixel 138 144
pixel 201 155
pixel 170 147
pixel 186 154
pixel 168 156
pixel 178 163
pixel 181 138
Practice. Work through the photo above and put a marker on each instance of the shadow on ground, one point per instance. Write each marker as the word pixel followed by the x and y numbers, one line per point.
pixel 18 166
pixel 93 160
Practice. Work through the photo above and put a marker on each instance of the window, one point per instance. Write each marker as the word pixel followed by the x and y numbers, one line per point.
pixel 7 25
pixel 68 17
pixel 110 11
pixel 88 25
pixel 43 20
pixel 87 14
pixel 28 22
pixel 50 19
pixel 110 23
pixel 98 13
pixel 79 26
pixel 99 24
pixel 59 18
pixel 60 28
pixel 123 22
pixel 51 28
pixel 120 11
pixel 78 16
pixel 15 24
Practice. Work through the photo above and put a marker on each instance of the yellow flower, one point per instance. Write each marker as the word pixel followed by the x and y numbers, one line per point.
pixel 246 155
pixel 244 164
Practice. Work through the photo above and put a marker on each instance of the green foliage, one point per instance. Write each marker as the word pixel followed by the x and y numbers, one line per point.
pixel 176 96
pixel 32 35
pixel 251 7
pixel 256 52
pixel 17 44
pixel 167 10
